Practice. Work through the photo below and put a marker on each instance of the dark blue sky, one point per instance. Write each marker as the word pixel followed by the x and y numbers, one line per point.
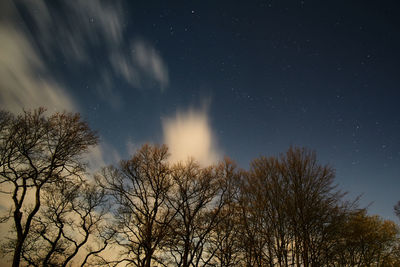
pixel 254 76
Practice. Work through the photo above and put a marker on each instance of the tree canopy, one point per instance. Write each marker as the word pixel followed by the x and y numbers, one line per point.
pixel 148 211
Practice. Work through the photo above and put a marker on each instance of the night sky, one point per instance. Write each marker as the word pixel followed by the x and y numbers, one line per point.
pixel 216 78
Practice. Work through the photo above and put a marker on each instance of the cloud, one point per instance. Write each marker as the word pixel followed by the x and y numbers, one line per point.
pixel 142 66
pixel 78 31
pixel 150 62
pixel 189 134
pixel 74 33
pixel 24 77
pixel 132 147
pixel 102 155
pixel 74 28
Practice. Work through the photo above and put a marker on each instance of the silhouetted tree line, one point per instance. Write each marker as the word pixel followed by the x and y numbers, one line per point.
pixel 283 211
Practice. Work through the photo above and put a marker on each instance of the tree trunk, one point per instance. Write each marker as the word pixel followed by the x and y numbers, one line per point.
pixel 17 253
pixel 20 238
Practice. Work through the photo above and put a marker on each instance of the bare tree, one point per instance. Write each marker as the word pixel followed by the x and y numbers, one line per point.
pixel 264 199
pixel 140 188
pixel 198 199
pixel 36 151
pixel 367 241
pixel 291 212
pixel 314 205
pixel 224 240
pixel 263 214
pixel 71 221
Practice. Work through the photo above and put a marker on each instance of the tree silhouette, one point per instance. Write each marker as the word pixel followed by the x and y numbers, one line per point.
pixel 283 211
pixel 367 241
pixel 36 151
pixel 198 198
pixel 314 204
pixel 71 217
pixel 224 239
pixel 291 212
pixel 140 188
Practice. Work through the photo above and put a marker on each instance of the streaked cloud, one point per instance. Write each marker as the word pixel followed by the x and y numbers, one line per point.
pixel 141 66
pixel 80 30
pixel 76 28
pixel 150 62
pixel 25 81
pixel 189 134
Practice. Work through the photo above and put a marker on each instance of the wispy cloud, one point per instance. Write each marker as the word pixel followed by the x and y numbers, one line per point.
pixel 76 27
pixel 150 62
pixel 70 34
pixel 189 134
pixel 78 31
pixel 24 77
pixel 141 66
pixel 132 147
pixel 101 156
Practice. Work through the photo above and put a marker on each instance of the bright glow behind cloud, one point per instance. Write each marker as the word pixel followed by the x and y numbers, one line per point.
pixel 189 134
